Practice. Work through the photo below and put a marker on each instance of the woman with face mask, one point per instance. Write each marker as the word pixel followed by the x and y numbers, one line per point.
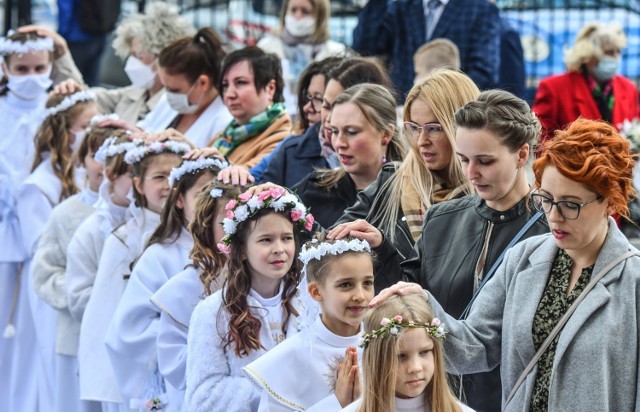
pixel 139 39
pixel 303 36
pixel 592 87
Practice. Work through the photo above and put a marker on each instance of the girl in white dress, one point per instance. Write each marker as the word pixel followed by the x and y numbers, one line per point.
pixel 317 369
pixel 131 336
pixel 257 307
pixel 50 264
pixel 23 92
pixel 403 360
pixel 53 179
pixel 205 274
pixel 123 246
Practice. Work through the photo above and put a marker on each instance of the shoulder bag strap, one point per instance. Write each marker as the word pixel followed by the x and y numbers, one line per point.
pixel 498 261
pixel 564 320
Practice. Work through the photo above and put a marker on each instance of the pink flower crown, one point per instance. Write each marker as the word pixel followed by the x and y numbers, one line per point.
pixel 393 327
pixel 246 205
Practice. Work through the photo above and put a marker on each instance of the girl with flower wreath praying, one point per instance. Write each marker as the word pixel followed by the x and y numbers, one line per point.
pixel 256 309
pixel 321 361
pixel 403 360
pixel 204 275
pixel 123 246
pixel 131 336
pixel 53 178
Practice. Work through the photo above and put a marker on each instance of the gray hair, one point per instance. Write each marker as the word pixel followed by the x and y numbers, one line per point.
pixel 589 43
pixel 160 26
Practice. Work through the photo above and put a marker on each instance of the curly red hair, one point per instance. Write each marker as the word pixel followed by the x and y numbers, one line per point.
pixel 592 153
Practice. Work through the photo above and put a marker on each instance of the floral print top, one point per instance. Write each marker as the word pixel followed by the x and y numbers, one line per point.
pixel 554 303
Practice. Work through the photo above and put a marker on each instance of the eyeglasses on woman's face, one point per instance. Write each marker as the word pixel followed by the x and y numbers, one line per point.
pixel 568 210
pixel 314 101
pixel 433 131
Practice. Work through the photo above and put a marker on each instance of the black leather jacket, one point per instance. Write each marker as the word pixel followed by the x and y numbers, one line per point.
pixel 444 262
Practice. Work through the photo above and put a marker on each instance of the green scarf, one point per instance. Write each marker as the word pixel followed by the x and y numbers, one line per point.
pixel 234 134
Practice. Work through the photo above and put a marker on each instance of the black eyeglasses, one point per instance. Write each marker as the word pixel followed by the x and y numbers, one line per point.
pixel 433 131
pixel 316 102
pixel 567 209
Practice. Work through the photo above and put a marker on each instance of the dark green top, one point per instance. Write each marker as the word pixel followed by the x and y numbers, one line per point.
pixel 554 303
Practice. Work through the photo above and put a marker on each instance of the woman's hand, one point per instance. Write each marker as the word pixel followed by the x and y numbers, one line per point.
pixel 168 134
pixel 236 175
pixel 202 152
pixel 121 124
pixel 67 87
pixel 348 379
pixel 400 288
pixel 59 43
pixel 360 229
pixel 254 190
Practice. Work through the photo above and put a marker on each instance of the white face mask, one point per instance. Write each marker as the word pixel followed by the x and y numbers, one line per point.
pixel 140 74
pixel 299 27
pixel 79 137
pixel 607 68
pixel 180 102
pixel 31 86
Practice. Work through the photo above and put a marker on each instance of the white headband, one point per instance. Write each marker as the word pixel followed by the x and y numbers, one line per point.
pixel 139 152
pixel 70 101
pixel 8 46
pixel 110 148
pixel 192 166
pixel 336 248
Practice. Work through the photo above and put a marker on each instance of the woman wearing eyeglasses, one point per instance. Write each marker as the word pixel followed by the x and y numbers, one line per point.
pixel 462 239
pixel 583 176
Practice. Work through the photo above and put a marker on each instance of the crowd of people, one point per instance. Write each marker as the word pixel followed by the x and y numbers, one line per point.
pixel 299 226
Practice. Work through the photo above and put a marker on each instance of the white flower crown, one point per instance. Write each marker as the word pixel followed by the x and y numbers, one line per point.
pixel 139 152
pixel 335 248
pixel 216 193
pixel 8 46
pixel 70 101
pixel 246 205
pixel 110 148
pixel 192 166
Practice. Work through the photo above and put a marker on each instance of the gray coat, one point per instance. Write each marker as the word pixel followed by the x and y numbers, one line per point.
pixel 596 362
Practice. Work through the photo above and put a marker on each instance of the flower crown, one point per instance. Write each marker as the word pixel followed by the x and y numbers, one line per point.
pixel 337 247
pixel 192 166
pixel 110 148
pixel 393 327
pixel 246 205
pixel 70 101
pixel 8 46
pixel 139 152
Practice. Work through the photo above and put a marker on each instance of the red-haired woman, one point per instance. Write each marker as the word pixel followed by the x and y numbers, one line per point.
pixel 582 177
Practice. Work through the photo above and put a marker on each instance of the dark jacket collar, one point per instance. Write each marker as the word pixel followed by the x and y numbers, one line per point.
pixel 495 216
pixel 309 143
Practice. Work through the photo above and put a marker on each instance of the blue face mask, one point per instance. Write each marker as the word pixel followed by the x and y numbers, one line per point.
pixel 606 69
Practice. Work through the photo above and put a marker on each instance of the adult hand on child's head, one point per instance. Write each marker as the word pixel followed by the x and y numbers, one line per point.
pixel 236 175
pixel 168 134
pixel 347 376
pixel 400 288
pixel 360 229
pixel 59 43
pixel 67 86
pixel 254 190
pixel 121 124
pixel 202 152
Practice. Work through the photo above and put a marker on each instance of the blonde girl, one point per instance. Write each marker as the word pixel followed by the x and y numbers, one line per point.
pixel 50 265
pixel 131 335
pixel 205 274
pixel 52 179
pixel 122 247
pixel 321 361
pixel 403 360
pixel 256 308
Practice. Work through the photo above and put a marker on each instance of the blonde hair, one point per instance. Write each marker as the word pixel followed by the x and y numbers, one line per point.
pixel 380 360
pixel 445 91
pixel 378 106
pixel 321 12
pixel 438 53
pixel 590 41
pixel 53 137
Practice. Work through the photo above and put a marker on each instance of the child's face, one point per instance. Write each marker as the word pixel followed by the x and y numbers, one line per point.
pixel 120 188
pixel 187 201
pixel 345 293
pixel 415 363
pixel 155 184
pixel 29 63
pixel 94 171
pixel 269 250
pixel 82 121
